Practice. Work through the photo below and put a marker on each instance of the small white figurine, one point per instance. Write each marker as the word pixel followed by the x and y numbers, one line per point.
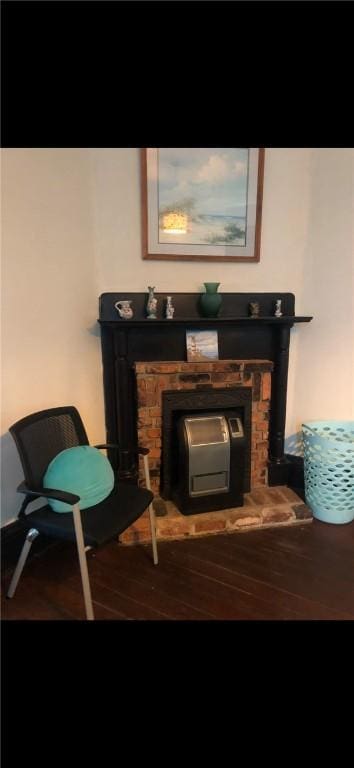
pixel 278 312
pixel 151 307
pixel 169 308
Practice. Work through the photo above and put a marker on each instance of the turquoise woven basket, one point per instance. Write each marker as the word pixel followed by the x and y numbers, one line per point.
pixel 329 469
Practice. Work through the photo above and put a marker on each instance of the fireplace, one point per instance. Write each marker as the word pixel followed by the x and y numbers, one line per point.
pixel 144 364
pixel 145 370
pixel 168 393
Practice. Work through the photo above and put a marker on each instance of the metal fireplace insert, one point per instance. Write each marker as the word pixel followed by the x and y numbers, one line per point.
pixel 211 461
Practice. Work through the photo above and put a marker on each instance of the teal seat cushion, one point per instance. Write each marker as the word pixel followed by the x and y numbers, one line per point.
pixel 83 470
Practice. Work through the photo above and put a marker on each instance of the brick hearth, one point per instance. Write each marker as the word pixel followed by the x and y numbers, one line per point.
pixel 263 508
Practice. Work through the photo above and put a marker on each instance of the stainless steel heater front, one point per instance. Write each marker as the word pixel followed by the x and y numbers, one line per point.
pixel 208 441
pixel 210 467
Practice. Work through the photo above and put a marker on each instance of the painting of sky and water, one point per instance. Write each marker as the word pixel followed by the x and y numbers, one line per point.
pixel 202 346
pixel 209 188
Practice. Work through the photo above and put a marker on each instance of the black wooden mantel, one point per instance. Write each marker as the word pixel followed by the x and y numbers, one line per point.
pixel 240 337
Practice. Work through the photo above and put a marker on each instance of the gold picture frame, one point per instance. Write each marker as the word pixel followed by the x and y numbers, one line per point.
pixel 202 204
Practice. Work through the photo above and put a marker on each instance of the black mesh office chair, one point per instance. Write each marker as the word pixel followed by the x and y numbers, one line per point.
pixel 39 438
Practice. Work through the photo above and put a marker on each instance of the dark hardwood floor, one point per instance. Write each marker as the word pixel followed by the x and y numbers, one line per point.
pixel 300 572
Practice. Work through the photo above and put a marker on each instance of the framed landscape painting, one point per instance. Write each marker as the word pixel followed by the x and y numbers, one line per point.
pixel 202 204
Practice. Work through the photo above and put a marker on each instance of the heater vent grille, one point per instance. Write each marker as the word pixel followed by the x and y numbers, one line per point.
pixel 208 430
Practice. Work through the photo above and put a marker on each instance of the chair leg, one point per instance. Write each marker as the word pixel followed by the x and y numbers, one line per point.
pixel 153 534
pixel 151 513
pixel 31 536
pixel 83 563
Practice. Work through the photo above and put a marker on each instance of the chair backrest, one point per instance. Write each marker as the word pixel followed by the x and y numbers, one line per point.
pixel 42 435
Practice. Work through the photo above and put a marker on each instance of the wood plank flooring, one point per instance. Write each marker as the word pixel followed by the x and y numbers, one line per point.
pixel 302 572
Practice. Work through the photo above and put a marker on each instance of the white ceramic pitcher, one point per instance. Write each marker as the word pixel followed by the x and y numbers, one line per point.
pixel 124 309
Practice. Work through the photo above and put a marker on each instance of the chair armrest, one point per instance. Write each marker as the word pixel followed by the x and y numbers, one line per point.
pixel 141 450
pixel 49 493
pixel 107 445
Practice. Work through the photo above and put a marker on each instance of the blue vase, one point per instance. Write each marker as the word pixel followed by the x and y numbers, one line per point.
pixel 210 302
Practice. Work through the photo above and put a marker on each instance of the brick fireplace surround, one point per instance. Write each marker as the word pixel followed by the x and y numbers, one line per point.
pixel 263 506
pixel 154 378
pixel 142 359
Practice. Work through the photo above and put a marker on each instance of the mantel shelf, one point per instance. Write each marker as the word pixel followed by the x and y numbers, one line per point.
pixel 284 320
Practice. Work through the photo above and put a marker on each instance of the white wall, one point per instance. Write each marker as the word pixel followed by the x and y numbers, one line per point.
pixel 71 230
pixel 116 181
pixel 321 380
pixel 50 347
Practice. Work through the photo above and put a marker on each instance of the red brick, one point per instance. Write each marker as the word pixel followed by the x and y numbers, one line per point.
pixel 288 494
pixel 218 377
pixel 245 521
pixel 155 452
pixel 268 497
pixel 153 432
pixel 262 425
pixel 142 398
pixel 151 384
pixel 266 386
pixel 134 537
pixel 164 368
pixel 155 411
pixel 222 366
pixel 167 527
pixel 277 514
pixel 167 382
pixel 210 525
pixel 220 384
pixel 139 531
pixel 140 367
pixel 197 367
pixel 263 405
pixel 258 418
pixel 261 497
pixel 144 418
